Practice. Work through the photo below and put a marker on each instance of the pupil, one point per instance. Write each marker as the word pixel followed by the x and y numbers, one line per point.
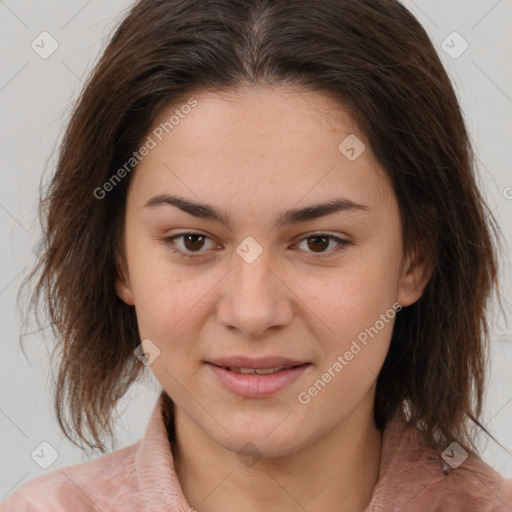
pixel 320 238
pixel 188 238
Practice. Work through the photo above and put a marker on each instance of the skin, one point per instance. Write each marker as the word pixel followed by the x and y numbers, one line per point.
pixel 255 152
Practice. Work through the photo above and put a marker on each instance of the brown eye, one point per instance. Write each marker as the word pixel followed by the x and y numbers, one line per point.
pixel 318 244
pixel 191 244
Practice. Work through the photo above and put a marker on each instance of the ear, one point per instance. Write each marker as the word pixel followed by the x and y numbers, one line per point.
pixel 122 283
pixel 415 273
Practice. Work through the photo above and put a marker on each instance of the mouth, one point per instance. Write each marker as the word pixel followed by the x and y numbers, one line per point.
pixel 257 378
pixel 259 371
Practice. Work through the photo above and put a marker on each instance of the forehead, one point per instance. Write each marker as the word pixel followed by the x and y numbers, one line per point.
pixel 259 142
pixel 256 115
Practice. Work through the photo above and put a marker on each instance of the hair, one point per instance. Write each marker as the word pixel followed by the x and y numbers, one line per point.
pixel 377 62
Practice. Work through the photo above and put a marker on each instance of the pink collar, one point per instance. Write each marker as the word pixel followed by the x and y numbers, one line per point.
pixel 411 475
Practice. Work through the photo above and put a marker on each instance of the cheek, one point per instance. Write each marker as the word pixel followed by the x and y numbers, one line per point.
pixel 164 295
pixel 358 310
pixel 354 296
pixel 167 310
pixel 356 307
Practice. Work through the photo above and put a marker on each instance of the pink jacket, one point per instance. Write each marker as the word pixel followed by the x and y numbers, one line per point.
pixel 140 477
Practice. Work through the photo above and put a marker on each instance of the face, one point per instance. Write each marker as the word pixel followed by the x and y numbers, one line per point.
pixel 246 271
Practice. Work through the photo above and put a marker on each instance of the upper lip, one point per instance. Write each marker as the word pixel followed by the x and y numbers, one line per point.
pixel 260 362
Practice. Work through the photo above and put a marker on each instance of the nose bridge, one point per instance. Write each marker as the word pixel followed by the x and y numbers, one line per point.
pixel 253 271
pixel 254 298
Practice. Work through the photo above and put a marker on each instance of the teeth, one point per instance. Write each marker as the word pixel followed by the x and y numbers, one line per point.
pixel 258 371
pixel 265 371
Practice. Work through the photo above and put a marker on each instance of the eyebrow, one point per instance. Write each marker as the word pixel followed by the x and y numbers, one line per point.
pixel 286 218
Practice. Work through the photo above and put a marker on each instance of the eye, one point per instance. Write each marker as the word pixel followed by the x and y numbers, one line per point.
pixel 320 241
pixel 192 243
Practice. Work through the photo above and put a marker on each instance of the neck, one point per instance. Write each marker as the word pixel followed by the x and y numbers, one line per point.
pixel 339 472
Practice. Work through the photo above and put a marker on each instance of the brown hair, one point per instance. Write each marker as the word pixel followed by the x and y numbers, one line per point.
pixel 377 61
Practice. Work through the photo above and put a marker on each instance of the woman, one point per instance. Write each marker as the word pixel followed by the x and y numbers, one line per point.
pixel 273 206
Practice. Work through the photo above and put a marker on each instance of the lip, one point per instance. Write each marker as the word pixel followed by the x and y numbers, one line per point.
pixel 252 385
pixel 260 362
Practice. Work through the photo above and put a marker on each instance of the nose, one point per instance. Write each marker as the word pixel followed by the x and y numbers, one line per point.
pixel 255 296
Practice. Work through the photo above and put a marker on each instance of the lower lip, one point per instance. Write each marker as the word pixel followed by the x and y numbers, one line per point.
pixel 257 386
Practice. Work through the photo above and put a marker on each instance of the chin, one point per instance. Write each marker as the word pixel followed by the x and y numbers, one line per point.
pixel 274 436
pixel 260 447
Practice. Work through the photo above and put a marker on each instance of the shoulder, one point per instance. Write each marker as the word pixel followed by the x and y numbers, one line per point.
pixel 90 486
pixel 415 477
pixel 472 486
pixel 135 478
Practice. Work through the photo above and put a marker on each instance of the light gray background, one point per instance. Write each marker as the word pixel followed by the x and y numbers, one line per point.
pixel 35 97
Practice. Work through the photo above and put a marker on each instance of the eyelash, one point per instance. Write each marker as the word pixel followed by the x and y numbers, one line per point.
pixel 169 241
